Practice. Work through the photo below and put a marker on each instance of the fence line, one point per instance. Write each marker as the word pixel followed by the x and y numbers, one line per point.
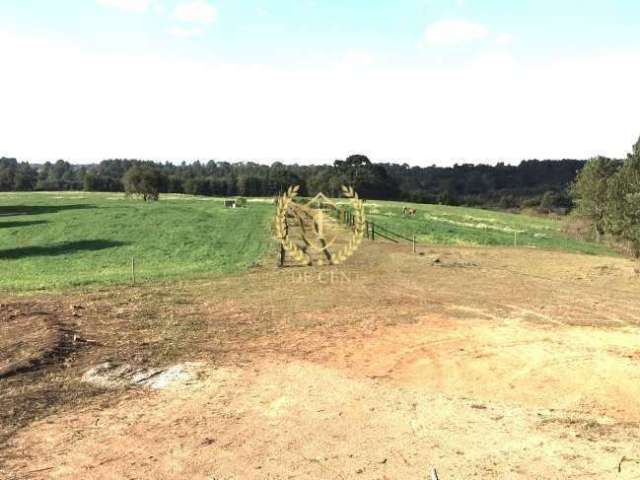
pixel 373 229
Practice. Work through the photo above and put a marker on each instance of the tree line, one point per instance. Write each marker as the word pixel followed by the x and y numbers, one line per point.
pixel 606 194
pixel 532 183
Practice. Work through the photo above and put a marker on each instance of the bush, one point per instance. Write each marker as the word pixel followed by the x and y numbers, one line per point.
pixel 530 202
pixel 578 228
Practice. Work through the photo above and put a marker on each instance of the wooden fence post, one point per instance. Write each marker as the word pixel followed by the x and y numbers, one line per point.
pixel 413 244
pixel 373 231
pixel 282 252
pixel 133 270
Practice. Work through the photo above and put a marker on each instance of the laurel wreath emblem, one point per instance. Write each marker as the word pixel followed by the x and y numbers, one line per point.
pixel 282 233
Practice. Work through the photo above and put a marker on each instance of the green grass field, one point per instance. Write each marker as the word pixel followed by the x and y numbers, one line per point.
pixel 446 225
pixel 55 240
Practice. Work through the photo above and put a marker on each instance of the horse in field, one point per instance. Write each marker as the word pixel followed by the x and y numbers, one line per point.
pixel 409 212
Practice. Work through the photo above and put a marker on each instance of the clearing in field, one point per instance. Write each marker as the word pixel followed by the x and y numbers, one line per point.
pixel 487 362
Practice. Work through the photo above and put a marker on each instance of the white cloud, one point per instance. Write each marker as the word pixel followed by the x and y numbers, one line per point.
pixel 185 32
pixel 197 11
pixel 358 58
pixel 504 39
pixel 451 33
pixel 127 5
pixel 159 9
pixel 99 106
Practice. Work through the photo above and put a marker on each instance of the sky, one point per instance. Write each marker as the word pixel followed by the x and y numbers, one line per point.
pixel 309 81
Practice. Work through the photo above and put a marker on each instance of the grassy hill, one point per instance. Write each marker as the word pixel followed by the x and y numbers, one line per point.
pixel 57 240
pixel 53 240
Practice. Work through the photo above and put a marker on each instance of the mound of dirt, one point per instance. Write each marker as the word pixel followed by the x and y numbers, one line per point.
pixel 112 375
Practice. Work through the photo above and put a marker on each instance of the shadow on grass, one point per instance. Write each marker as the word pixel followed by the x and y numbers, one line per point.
pixel 67 248
pixel 21 224
pixel 13 210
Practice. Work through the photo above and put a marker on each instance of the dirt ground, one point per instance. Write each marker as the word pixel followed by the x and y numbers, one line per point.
pixel 483 362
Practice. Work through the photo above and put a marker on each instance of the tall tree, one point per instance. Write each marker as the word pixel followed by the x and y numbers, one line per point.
pixel 353 168
pixel 623 201
pixel 144 181
pixel 8 167
pixel 26 177
pixel 589 192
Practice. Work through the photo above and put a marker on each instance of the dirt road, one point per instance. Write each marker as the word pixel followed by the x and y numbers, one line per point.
pixel 487 363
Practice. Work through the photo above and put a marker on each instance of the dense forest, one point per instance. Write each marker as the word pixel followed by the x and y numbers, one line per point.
pixel 531 183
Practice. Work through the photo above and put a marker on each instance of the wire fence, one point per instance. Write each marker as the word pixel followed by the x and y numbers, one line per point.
pixel 374 230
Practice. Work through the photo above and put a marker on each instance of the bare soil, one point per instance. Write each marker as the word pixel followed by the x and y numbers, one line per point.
pixel 483 362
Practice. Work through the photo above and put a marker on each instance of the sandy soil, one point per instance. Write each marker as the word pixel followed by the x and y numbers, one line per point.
pixel 488 363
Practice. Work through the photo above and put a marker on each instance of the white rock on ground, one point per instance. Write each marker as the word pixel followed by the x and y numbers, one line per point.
pixel 113 375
